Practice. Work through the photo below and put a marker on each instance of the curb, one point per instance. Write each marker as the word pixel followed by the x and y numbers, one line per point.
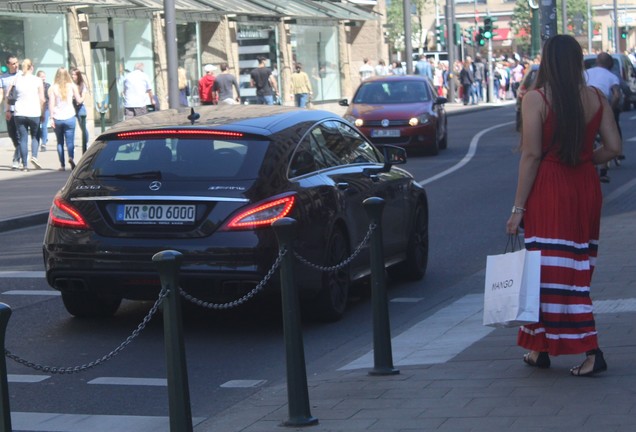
pixel 24 221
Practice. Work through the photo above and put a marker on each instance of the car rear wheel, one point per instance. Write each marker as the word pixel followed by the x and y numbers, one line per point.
pixel 414 266
pixel 89 304
pixel 334 294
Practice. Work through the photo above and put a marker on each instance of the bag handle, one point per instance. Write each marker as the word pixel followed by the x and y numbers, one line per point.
pixel 514 243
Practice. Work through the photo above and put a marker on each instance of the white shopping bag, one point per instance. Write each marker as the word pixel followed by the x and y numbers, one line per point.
pixel 511 295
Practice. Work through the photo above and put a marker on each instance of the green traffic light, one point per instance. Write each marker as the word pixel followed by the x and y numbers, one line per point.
pixel 488 32
pixel 4 69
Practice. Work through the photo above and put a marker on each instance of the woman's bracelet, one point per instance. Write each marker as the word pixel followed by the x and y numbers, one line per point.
pixel 516 209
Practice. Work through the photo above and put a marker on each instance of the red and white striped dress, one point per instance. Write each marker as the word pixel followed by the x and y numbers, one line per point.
pixel 562 220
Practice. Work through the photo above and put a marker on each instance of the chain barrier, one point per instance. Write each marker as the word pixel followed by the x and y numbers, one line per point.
pixel 76 369
pixel 344 263
pixel 216 306
pixel 245 298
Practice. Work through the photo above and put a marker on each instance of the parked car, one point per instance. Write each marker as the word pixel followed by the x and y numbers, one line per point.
pixel 625 72
pixel 210 189
pixel 401 110
pixel 526 83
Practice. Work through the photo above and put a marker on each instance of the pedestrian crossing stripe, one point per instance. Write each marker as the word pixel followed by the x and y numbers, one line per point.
pixel 57 422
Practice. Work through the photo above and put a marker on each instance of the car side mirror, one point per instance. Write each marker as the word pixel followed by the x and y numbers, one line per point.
pixel 440 100
pixel 343 102
pixel 393 155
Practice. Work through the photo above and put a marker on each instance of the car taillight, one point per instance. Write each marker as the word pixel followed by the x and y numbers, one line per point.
pixel 64 215
pixel 262 215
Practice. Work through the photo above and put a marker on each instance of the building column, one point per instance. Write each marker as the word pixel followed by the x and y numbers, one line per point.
pixel 161 60
pixel 344 60
pixel 231 45
pixel 286 63
pixel 79 49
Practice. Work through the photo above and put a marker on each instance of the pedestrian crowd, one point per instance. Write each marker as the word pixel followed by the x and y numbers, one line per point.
pixel 469 75
pixel 32 105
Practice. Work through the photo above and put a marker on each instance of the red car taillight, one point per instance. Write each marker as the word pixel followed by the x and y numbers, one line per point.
pixel 64 215
pixel 262 215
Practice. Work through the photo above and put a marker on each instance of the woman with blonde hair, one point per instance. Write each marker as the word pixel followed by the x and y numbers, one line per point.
pixel 184 88
pixel 61 94
pixel 28 110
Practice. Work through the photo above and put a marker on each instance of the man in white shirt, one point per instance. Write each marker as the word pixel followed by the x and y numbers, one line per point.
pixel 137 92
pixel 6 81
pixel 601 77
pixel 366 70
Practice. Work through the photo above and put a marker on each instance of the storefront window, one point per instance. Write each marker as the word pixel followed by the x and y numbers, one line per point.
pixel 254 42
pixel 41 38
pixel 188 55
pixel 316 48
pixel 133 44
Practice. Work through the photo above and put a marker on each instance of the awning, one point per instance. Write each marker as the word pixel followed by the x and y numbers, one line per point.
pixel 501 34
pixel 200 10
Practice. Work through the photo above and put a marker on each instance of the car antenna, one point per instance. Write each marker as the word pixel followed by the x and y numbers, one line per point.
pixel 194 116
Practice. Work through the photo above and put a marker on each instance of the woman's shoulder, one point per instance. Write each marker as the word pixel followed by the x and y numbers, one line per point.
pixel 536 95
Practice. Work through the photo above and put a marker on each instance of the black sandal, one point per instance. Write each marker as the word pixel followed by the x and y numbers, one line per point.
pixel 599 364
pixel 542 361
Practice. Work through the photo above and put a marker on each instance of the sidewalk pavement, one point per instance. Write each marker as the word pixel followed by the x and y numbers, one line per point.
pixel 485 386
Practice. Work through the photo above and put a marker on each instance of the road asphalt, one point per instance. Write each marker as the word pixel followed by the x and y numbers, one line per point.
pixel 483 387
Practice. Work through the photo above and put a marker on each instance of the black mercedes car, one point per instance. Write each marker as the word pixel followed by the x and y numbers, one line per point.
pixel 209 184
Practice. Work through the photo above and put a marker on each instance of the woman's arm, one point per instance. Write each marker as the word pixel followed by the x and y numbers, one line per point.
pixel 41 96
pixel 611 142
pixel 532 119
pixel 52 100
pixel 76 94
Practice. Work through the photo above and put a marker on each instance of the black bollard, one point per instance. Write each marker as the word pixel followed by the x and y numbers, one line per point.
pixel 168 263
pixel 382 355
pixel 5 425
pixel 297 393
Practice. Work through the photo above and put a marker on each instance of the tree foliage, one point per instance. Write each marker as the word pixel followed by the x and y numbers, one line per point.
pixel 521 22
pixel 395 23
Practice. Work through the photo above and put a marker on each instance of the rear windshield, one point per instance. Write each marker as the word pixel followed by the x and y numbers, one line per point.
pixel 393 92
pixel 178 157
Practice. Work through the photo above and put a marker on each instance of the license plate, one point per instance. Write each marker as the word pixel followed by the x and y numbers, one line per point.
pixel 164 214
pixel 383 133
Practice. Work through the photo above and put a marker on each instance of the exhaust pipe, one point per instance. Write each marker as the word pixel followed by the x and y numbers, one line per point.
pixel 70 284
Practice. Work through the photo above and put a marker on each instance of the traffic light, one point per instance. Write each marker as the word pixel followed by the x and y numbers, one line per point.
pixel 468 38
pixel 457 33
pixel 439 35
pixel 624 31
pixel 4 69
pixel 479 37
pixel 489 28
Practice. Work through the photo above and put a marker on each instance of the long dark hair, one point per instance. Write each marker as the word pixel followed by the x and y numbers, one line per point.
pixel 561 74
pixel 81 84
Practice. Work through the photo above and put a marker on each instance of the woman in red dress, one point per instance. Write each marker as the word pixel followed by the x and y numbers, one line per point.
pixel 559 199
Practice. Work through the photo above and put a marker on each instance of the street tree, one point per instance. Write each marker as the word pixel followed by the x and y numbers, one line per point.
pixel 521 23
pixel 395 24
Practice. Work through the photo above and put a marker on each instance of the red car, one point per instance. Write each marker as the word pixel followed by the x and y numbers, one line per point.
pixel 399 110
